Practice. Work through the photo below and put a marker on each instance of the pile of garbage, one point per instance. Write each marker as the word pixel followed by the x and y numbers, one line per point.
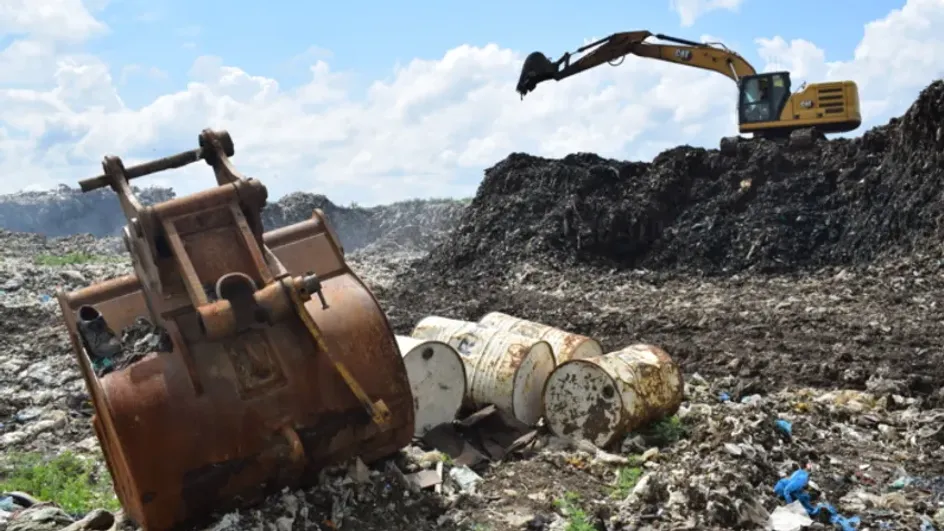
pixel 414 225
pixel 68 210
pixel 768 209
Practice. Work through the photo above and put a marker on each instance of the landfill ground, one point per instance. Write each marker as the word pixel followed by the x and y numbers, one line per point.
pixel 798 287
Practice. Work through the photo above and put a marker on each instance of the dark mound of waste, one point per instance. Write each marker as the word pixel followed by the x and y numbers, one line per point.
pixel 767 209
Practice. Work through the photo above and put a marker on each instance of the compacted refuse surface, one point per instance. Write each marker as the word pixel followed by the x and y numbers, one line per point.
pixel 800 291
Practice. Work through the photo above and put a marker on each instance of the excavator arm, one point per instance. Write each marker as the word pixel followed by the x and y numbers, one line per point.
pixel 539 68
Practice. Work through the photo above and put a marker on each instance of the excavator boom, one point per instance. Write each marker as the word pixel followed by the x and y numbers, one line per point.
pixel 766 105
pixel 539 68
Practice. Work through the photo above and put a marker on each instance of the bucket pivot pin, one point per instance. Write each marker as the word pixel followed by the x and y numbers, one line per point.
pixel 311 285
pixel 378 411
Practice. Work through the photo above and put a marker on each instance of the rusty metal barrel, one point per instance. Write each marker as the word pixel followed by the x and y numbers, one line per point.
pixel 602 399
pixel 437 381
pixel 566 345
pixel 507 370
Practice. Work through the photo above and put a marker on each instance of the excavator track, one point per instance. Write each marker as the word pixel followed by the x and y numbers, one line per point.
pixel 797 140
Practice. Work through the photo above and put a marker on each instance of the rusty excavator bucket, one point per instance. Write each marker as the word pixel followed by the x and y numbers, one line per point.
pixel 279 359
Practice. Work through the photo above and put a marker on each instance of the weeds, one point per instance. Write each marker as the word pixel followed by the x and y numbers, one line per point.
pixel 665 432
pixel 70 482
pixel 577 519
pixel 626 480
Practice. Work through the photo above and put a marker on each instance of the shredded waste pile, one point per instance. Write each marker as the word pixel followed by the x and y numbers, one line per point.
pixel 769 209
pixel 798 291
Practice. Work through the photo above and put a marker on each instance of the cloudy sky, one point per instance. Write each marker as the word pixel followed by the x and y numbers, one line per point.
pixel 372 103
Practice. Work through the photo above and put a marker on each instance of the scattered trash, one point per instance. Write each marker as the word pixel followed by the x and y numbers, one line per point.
pixel 902 482
pixel 465 478
pixel 490 434
pixel 425 478
pixel 792 517
pixel 99 340
pixel 137 341
pixel 785 428
pixel 794 488
pixel 40 517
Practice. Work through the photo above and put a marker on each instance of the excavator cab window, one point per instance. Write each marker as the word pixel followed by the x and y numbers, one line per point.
pixel 763 96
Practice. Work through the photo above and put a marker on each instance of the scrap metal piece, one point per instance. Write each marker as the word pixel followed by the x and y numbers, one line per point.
pixel 265 385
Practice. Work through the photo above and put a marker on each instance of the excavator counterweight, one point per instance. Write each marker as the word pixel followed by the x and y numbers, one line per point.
pixel 278 359
pixel 766 106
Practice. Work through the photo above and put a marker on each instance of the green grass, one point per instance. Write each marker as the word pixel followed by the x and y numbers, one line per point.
pixel 66 480
pixel 577 518
pixel 665 432
pixel 72 259
pixel 626 480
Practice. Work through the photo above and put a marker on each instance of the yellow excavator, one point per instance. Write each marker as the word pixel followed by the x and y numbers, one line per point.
pixel 766 106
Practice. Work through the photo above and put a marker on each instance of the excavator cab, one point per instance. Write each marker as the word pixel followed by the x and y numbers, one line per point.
pixel 763 97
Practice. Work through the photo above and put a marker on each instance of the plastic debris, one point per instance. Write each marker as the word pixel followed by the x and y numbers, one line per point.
pixel 466 479
pixel 785 428
pixel 790 517
pixel 793 489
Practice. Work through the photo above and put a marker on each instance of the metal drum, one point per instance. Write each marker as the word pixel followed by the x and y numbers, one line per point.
pixel 567 345
pixel 507 370
pixel 602 399
pixel 437 381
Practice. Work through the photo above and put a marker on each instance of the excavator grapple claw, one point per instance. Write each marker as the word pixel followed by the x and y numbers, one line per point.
pixel 279 361
pixel 537 68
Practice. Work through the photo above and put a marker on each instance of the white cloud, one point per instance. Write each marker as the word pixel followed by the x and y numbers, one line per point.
pixel 63 20
pixel 690 10
pixel 430 127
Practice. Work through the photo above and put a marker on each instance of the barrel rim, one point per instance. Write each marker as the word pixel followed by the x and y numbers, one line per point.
pixel 514 377
pixel 609 376
pixel 465 375
pixel 462 369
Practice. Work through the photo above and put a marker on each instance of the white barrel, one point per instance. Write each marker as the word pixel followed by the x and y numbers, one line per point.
pixel 507 370
pixel 602 399
pixel 437 379
pixel 566 345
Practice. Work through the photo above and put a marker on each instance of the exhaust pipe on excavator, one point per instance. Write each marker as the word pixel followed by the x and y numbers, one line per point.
pixel 537 68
